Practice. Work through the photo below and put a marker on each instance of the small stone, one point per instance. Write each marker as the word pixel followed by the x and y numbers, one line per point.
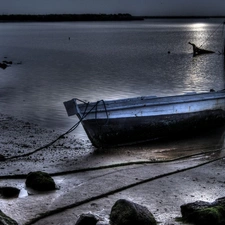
pixel 2 158
pixel 3 66
pixel 9 192
pixel 87 219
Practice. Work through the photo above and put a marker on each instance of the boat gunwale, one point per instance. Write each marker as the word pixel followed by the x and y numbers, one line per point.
pixel 108 104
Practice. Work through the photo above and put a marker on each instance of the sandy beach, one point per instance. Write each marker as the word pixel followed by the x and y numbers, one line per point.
pixel 157 175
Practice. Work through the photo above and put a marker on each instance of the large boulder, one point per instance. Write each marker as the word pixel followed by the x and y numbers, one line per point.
pixel 40 181
pixel 125 212
pixel 204 213
pixel 5 220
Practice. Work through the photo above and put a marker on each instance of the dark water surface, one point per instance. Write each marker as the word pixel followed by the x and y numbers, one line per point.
pixel 103 60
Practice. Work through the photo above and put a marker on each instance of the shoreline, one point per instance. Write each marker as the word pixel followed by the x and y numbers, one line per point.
pixel 92 180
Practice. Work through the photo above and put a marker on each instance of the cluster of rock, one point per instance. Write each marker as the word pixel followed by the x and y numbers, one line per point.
pixel 126 212
pixel 38 180
pixel 123 212
pixel 129 213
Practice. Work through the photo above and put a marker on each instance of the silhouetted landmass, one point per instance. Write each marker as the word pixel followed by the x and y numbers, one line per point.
pixel 67 17
pixel 182 17
pixel 88 17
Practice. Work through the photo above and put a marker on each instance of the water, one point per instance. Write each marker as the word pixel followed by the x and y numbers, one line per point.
pixel 103 60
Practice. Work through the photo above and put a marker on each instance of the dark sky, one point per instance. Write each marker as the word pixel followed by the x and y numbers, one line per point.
pixel 134 7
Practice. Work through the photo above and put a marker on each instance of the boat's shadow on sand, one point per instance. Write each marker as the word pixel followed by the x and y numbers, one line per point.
pixel 170 148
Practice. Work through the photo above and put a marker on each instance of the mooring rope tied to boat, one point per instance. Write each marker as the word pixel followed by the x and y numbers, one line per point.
pixel 85 114
pixel 67 132
pixel 106 112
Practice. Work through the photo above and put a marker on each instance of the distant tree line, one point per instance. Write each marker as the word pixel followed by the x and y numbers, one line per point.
pixel 67 17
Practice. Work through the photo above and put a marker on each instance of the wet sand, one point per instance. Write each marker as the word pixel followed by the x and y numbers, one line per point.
pixel 161 176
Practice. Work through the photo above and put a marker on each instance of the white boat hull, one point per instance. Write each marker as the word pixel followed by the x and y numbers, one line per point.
pixel 133 120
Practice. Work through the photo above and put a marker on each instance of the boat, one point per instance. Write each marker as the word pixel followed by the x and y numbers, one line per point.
pixel 199 51
pixel 140 119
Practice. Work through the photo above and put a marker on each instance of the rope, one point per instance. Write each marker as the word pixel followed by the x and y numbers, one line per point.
pixel 125 164
pixel 106 112
pixel 212 34
pixel 62 135
pixel 116 190
pixel 223 40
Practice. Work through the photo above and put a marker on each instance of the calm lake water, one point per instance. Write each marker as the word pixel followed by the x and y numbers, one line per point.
pixel 54 62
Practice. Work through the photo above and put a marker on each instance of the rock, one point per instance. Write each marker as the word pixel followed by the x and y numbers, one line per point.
pixel 125 212
pixel 5 220
pixel 2 158
pixel 40 181
pixel 87 219
pixel 7 62
pixel 220 201
pixel 189 209
pixel 3 66
pixel 204 213
pixel 9 192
